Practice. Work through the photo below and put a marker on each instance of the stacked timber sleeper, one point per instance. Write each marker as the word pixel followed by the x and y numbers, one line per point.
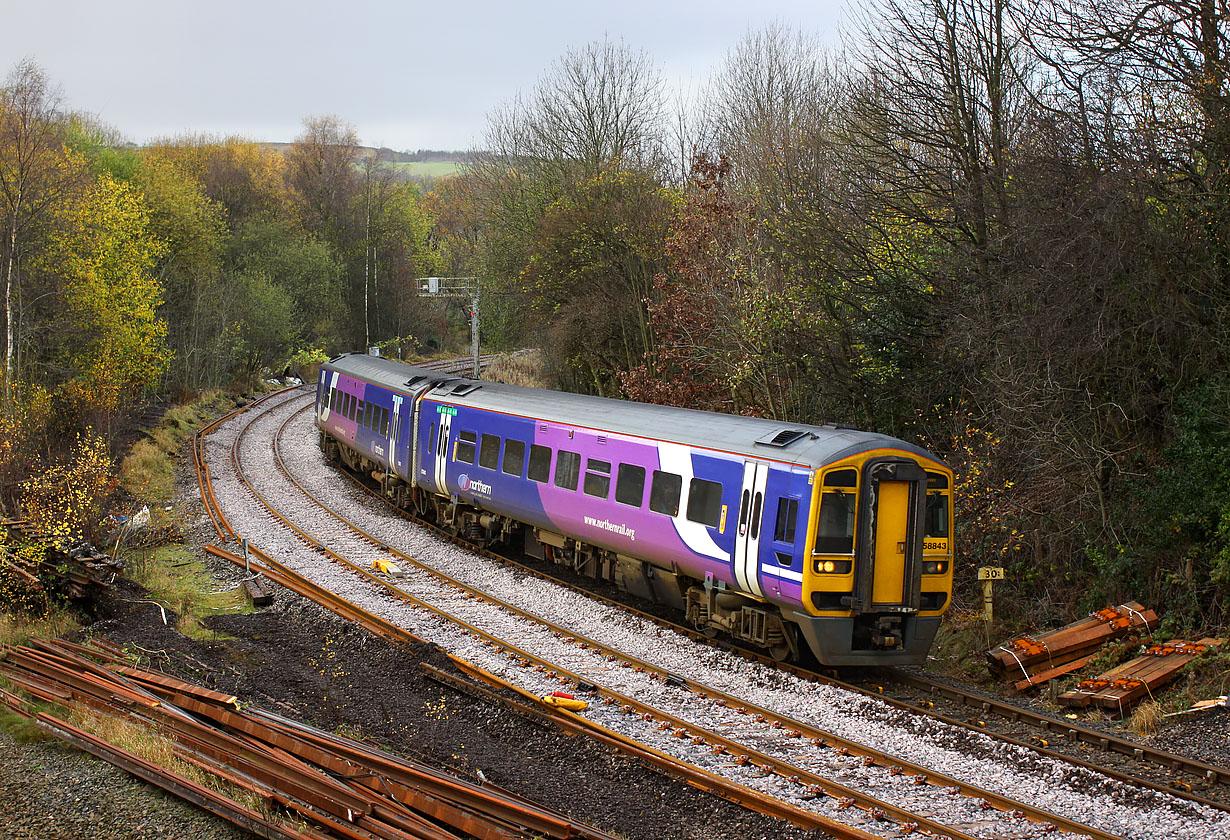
pixel 330 785
pixel 1033 660
pixel 1119 688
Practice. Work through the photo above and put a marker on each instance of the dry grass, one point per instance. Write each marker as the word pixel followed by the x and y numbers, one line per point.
pixel 148 469
pixel 1147 718
pixel 19 629
pixel 526 368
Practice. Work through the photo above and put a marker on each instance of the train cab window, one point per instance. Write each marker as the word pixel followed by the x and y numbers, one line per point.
pixel 597 478
pixel 630 485
pixel 705 502
pixel 787 516
pixel 540 464
pixel 835 530
pixel 937 505
pixel 664 493
pixel 514 457
pixel 567 469
pixel 489 452
pixel 466 445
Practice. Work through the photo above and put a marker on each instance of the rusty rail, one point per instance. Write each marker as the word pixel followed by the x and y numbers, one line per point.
pixel 336 786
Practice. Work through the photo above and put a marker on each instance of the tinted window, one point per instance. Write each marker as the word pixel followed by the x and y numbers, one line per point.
pixel 598 478
pixel 384 422
pixel 835 531
pixel 431 440
pixel 841 478
pixel 937 515
pixel 705 502
pixel 514 457
pixel 787 515
pixel 664 493
pixel 333 400
pixel 540 463
pixel 367 415
pixel 756 515
pixel 630 486
pixel 489 454
pixel 567 469
pixel 465 446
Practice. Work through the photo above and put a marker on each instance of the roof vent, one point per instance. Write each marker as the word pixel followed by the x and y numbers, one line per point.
pixel 465 387
pixel 783 438
pixel 414 380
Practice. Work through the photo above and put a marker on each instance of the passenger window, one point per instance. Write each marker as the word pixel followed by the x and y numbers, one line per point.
pixel 835 531
pixel 367 415
pixel 705 502
pixel 756 505
pixel 514 457
pixel 630 486
pixel 431 440
pixel 540 464
pixel 384 422
pixel 466 444
pixel 351 409
pixel 787 515
pixel 567 469
pixel 664 493
pixel 489 453
pixel 598 478
pixel 333 400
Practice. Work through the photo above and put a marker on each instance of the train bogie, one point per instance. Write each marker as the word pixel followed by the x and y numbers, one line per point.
pixel 785 538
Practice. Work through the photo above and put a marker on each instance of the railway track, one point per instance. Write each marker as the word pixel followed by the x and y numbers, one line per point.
pixel 796 755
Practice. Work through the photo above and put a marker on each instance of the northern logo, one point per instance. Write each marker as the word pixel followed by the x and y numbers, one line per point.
pixel 474 486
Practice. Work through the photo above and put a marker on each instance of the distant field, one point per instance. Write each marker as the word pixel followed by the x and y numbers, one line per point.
pixel 427 169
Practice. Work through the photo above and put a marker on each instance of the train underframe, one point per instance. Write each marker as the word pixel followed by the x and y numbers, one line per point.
pixel 857 640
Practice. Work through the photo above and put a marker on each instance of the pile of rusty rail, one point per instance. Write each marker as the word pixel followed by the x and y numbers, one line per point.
pixel 310 783
pixel 1033 660
pixel 78 569
pixel 1120 688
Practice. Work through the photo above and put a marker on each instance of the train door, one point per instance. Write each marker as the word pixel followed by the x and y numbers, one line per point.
pixel 439 445
pixel 891 555
pixel 397 451
pixel 747 534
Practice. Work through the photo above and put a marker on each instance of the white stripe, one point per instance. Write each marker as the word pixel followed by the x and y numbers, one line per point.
pixel 677 458
pixel 786 574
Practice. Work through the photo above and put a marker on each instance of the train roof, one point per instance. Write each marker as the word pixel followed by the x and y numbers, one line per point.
pixel 796 443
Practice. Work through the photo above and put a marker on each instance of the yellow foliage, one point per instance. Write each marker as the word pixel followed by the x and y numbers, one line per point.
pixel 66 501
pixel 107 255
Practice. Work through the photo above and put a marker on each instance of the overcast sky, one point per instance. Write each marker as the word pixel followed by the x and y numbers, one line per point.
pixel 408 75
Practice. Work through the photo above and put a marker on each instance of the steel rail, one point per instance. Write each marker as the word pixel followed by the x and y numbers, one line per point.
pixel 353 612
pixel 1141 753
pixel 893 764
pixel 730 790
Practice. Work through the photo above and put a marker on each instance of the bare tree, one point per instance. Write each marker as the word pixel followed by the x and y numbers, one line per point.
pixel 35 174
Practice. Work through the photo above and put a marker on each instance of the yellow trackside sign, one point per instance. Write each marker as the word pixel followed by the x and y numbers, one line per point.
pixel 990 573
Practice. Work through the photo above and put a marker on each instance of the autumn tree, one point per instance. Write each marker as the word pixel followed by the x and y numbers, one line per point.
pixel 36 174
pixel 562 169
pixel 110 335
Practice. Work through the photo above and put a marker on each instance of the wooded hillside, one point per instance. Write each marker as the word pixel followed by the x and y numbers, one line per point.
pixel 999 230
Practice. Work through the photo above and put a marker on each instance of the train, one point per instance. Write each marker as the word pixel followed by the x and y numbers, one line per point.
pixel 786 537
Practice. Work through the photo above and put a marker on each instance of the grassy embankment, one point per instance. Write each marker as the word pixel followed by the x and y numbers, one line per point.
pixel 174 578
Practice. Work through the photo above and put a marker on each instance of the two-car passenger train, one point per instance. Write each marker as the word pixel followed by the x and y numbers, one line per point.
pixel 778 534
